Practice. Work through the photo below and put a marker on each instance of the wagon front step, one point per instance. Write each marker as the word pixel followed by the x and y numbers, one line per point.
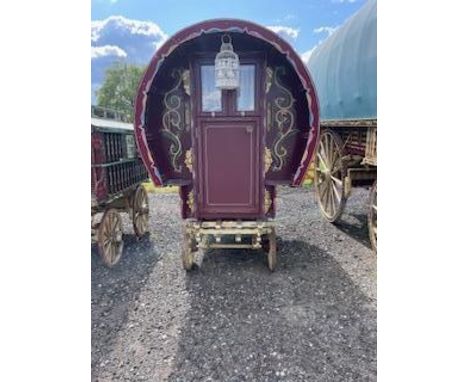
pixel 210 234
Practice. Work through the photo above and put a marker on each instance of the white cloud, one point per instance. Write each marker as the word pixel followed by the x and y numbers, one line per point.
pixel 284 31
pixel 107 50
pixel 120 39
pixel 343 1
pixel 328 30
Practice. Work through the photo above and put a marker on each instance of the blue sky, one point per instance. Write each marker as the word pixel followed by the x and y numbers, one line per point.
pixel 131 30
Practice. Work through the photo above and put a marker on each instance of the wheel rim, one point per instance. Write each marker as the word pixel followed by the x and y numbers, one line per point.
pixel 329 172
pixel 140 211
pixel 372 220
pixel 110 238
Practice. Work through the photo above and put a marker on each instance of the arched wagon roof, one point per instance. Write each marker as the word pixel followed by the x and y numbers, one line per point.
pixel 344 68
pixel 217 26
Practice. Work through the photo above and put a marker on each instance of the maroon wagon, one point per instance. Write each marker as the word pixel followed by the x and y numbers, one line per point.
pixel 227 111
pixel 116 176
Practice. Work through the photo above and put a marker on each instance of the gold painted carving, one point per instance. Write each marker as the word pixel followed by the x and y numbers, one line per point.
pixel 186 80
pixel 188 160
pixel 269 78
pixel 172 120
pixel 188 114
pixel 190 201
pixel 284 121
pixel 267 160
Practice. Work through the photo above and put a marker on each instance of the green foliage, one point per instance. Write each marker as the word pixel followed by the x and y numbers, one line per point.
pixel 119 88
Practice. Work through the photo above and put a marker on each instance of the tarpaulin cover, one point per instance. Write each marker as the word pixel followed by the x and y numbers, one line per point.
pixel 344 68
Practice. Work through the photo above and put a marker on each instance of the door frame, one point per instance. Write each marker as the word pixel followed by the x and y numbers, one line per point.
pixel 228 115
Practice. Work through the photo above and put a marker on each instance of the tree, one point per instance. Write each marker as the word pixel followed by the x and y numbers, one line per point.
pixel 119 88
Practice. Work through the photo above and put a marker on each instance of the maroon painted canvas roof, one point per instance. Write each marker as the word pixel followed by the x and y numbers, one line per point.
pixel 216 26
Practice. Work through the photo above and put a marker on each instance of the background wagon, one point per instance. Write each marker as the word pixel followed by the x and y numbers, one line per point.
pixel 344 68
pixel 116 176
pixel 227 149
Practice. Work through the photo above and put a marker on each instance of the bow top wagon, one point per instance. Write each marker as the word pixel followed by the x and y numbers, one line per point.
pixel 227 111
pixel 344 68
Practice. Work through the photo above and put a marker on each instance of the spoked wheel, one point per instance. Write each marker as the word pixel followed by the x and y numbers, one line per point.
pixel 272 250
pixel 188 246
pixel 110 241
pixel 372 216
pixel 140 211
pixel 329 176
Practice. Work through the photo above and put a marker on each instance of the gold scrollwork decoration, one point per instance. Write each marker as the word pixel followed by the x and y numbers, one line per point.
pixel 190 201
pixel 189 160
pixel 267 160
pixel 172 120
pixel 284 120
pixel 186 80
pixel 268 80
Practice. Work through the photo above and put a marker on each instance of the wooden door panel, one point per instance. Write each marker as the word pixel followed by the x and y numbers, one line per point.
pixel 229 167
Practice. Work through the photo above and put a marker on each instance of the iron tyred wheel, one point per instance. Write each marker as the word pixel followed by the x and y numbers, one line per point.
pixel 329 176
pixel 110 241
pixel 140 211
pixel 372 216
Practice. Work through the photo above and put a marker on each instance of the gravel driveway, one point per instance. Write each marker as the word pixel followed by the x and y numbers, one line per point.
pixel 314 319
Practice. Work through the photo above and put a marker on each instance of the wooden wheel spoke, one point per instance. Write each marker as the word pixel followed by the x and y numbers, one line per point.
pixel 110 241
pixel 335 190
pixel 327 197
pixel 336 180
pixel 333 155
pixel 334 168
pixel 140 211
pixel 322 160
pixel 332 197
pixel 115 222
pixel 329 170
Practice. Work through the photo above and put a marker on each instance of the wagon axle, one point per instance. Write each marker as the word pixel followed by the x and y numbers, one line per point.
pixel 209 235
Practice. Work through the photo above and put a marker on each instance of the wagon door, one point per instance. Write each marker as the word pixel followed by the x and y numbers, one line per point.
pixel 229 138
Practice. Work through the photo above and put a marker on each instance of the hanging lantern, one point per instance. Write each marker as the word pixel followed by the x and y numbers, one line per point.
pixel 226 66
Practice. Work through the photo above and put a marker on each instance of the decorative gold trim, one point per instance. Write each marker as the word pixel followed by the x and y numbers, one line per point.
pixel 268 79
pixel 284 121
pixel 267 202
pixel 190 201
pixel 172 120
pixel 267 160
pixel 186 80
pixel 207 230
pixel 188 119
pixel 268 116
pixel 188 160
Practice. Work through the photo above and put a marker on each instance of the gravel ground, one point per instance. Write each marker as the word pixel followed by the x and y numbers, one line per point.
pixel 314 319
